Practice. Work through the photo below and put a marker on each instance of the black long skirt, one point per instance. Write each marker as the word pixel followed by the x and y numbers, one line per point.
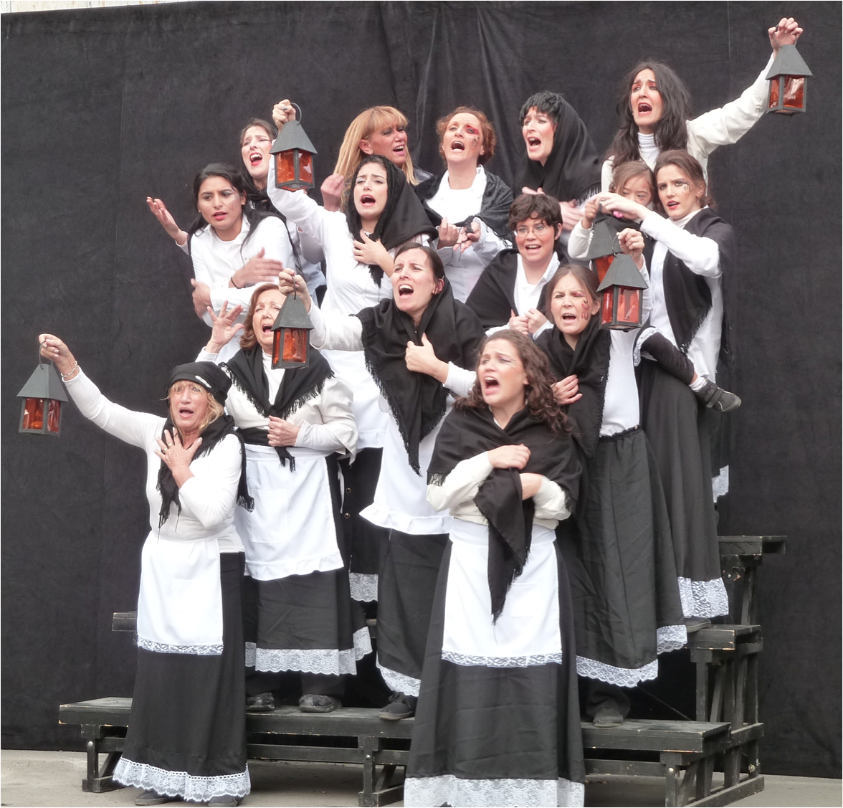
pixel 493 736
pixel 187 728
pixel 675 423
pixel 367 543
pixel 406 588
pixel 619 554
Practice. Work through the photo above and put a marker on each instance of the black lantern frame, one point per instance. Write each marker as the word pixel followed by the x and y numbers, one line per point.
pixel 42 395
pixel 601 250
pixel 788 77
pixel 621 308
pixel 291 335
pixel 293 164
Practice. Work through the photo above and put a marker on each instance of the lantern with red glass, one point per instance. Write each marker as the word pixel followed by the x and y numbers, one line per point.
pixel 42 398
pixel 621 309
pixel 601 251
pixel 291 336
pixel 293 158
pixel 788 79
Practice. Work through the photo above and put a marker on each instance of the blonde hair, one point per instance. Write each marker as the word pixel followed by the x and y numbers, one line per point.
pixel 215 409
pixel 362 128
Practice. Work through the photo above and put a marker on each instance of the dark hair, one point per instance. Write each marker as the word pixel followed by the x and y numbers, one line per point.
pixel 435 261
pixel 624 172
pixel 670 130
pixel 687 165
pixel 540 381
pixel 256 197
pixel 249 340
pixel 266 125
pixel 235 178
pixel 551 104
pixel 394 177
pixel 490 139
pixel 583 274
pixel 539 206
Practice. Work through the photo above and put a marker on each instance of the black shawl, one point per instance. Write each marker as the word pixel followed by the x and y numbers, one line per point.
pixel 494 207
pixel 687 295
pixel 469 432
pixel 417 401
pixel 572 170
pixel 590 363
pixel 403 217
pixel 298 386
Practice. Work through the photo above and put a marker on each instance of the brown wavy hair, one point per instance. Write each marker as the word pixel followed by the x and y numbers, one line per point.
pixel 539 391
pixel 687 165
pixel 215 409
pixel 249 340
pixel 490 139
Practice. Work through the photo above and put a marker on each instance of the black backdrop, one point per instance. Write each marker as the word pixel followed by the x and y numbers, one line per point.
pixel 103 107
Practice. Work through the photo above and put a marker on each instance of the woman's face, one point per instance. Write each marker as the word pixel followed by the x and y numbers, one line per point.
pixel 462 141
pixel 266 310
pixel 414 283
pixel 389 141
pixel 537 130
pixel 188 406
pixel 535 240
pixel 221 206
pixel 571 308
pixel 503 380
pixel 371 191
pixel 638 190
pixel 678 195
pixel 255 148
pixel 645 100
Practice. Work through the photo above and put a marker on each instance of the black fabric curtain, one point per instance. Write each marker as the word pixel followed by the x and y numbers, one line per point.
pixel 103 107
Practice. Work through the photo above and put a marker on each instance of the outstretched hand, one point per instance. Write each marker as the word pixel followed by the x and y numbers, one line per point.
pixel 224 327
pixel 787 32
pixel 53 348
pixel 165 218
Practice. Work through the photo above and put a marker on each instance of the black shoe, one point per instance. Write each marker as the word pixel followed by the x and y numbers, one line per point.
pixel 311 703
pixel 150 797
pixel 717 398
pixel 262 703
pixel 400 706
pixel 608 714
pixel 693 624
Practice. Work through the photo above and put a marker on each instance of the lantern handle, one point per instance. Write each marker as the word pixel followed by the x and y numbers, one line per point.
pixel 616 237
pixel 297 108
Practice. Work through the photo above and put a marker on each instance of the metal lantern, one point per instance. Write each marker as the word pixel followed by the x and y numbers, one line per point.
pixel 291 336
pixel 42 398
pixel 788 77
pixel 601 251
pixel 293 158
pixel 621 309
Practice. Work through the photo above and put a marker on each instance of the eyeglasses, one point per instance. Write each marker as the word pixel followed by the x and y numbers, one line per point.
pixel 536 229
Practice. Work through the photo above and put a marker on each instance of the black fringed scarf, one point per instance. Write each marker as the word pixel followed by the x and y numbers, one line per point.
pixel 572 170
pixel 469 432
pixel 687 295
pixel 417 401
pixel 402 219
pixel 494 207
pixel 589 362
pixel 298 386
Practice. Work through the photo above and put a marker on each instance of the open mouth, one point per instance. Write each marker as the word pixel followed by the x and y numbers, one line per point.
pixel 399 149
pixel 367 199
pixel 220 216
pixel 533 142
pixel 568 317
pixel 266 328
pixel 458 145
pixel 255 158
pixel 185 412
pixel 673 204
pixel 644 107
pixel 490 384
pixel 404 290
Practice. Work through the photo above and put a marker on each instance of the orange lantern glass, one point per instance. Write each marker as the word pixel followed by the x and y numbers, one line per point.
pixel 291 337
pixel 621 288
pixel 293 158
pixel 788 77
pixel 42 397
pixel 601 250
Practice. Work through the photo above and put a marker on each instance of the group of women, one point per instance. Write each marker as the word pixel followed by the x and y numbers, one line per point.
pixel 521 495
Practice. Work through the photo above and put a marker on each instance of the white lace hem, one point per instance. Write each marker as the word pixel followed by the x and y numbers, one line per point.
pixel 164 648
pixel 622 677
pixel 363 587
pixel 506 793
pixel 181 784
pixel 329 661
pixel 251 652
pixel 703 598
pixel 720 483
pixel 502 662
pixel 670 638
pixel 636 349
pixel 399 682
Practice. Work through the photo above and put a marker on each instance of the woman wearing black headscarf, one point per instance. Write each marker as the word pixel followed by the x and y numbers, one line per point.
pixel 383 213
pixel 419 345
pixel 187 731
pixel 498 716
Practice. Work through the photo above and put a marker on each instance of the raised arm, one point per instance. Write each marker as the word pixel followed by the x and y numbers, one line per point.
pixel 700 254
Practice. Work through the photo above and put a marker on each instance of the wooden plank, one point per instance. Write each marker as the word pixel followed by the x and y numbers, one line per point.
pixel 746 734
pixel 723 637
pixel 107 712
pixel 751 545
pixel 124 621
pixel 655 735
pixel 347 721
pixel 384 796
pixel 726 796
pixel 312 754
pixel 641 768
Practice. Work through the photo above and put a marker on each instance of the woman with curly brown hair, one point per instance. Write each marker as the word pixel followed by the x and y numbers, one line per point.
pixel 498 715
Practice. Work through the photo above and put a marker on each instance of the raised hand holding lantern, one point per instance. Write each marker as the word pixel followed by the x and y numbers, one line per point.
pixel 621 288
pixel 291 334
pixel 42 398
pixel 788 77
pixel 293 157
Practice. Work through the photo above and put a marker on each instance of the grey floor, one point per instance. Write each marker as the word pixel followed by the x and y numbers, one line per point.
pixel 54 779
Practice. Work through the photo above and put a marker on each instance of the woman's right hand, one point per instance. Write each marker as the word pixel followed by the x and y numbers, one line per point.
pixel 567 391
pixel 53 348
pixel 257 270
pixel 448 234
pixel 332 190
pixel 160 212
pixel 282 112
pixel 224 327
pixel 513 456
pixel 519 323
pixel 591 212
pixel 289 281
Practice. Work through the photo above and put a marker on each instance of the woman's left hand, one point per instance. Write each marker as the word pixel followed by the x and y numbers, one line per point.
pixel 290 281
pixel 785 33
pixel 224 327
pixel 174 454
pixel 616 202
pixel 448 234
pixel 530 484
pixel 632 244
pixel 282 112
pixel 535 320
pixel 281 432
pixel 370 252
pixel 422 359
pixel 567 391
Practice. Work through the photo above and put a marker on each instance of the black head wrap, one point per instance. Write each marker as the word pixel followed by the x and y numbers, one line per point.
pixel 402 219
pixel 216 382
pixel 572 170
